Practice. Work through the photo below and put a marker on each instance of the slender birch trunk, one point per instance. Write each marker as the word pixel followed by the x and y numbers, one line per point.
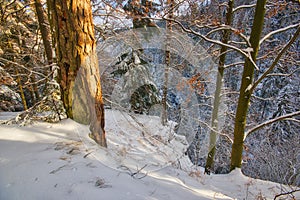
pixel 217 97
pixel 164 114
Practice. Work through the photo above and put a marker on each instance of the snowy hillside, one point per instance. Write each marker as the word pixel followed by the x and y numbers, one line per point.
pixel 143 161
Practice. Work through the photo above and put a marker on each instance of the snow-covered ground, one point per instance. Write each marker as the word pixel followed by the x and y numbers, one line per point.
pixel 143 161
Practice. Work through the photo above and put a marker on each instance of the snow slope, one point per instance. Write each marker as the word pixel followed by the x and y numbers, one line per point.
pixel 143 161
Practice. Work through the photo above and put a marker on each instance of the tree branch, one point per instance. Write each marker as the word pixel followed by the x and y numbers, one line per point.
pixel 243 6
pixel 283 117
pixel 277 31
pixel 227 27
pixel 246 52
pixel 284 49
pixel 23 67
pixel 286 193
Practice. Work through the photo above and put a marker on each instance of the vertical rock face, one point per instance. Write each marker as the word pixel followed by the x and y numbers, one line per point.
pixel 136 90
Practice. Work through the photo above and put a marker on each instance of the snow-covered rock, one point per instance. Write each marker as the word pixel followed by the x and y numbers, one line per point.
pixel 10 100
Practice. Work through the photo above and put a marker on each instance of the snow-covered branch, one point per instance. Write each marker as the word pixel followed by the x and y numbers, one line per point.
pixel 283 117
pixel 278 31
pixel 226 27
pixel 284 49
pixel 243 6
pixel 245 52
pixel 263 99
pixel 215 130
pixel 23 67
pixel 234 64
pixel 286 75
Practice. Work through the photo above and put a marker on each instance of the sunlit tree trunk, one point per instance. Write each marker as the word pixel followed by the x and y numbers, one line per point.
pixel 217 96
pixel 245 89
pixel 79 75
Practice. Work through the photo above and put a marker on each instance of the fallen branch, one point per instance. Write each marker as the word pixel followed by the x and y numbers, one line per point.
pixel 86 155
pixel 286 193
pixel 136 173
pixel 56 170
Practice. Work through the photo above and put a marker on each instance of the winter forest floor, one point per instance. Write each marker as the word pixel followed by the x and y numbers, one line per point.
pixel 59 161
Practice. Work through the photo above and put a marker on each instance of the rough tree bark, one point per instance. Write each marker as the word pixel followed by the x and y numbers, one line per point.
pixel 79 75
pixel 245 94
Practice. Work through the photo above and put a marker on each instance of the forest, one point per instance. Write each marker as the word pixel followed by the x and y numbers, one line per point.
pixel 224 74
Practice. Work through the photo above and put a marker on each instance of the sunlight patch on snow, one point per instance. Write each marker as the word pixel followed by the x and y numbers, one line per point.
pixel 136 142
pixel 50 161
pixel 8 115
pixel 204 192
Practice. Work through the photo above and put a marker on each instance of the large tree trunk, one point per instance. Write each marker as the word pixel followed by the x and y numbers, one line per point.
pixel 245 90
pixel 79 75
pixel 217 97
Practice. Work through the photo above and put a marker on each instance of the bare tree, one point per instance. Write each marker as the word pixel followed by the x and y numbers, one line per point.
pixel 247 79
pixel 217 95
